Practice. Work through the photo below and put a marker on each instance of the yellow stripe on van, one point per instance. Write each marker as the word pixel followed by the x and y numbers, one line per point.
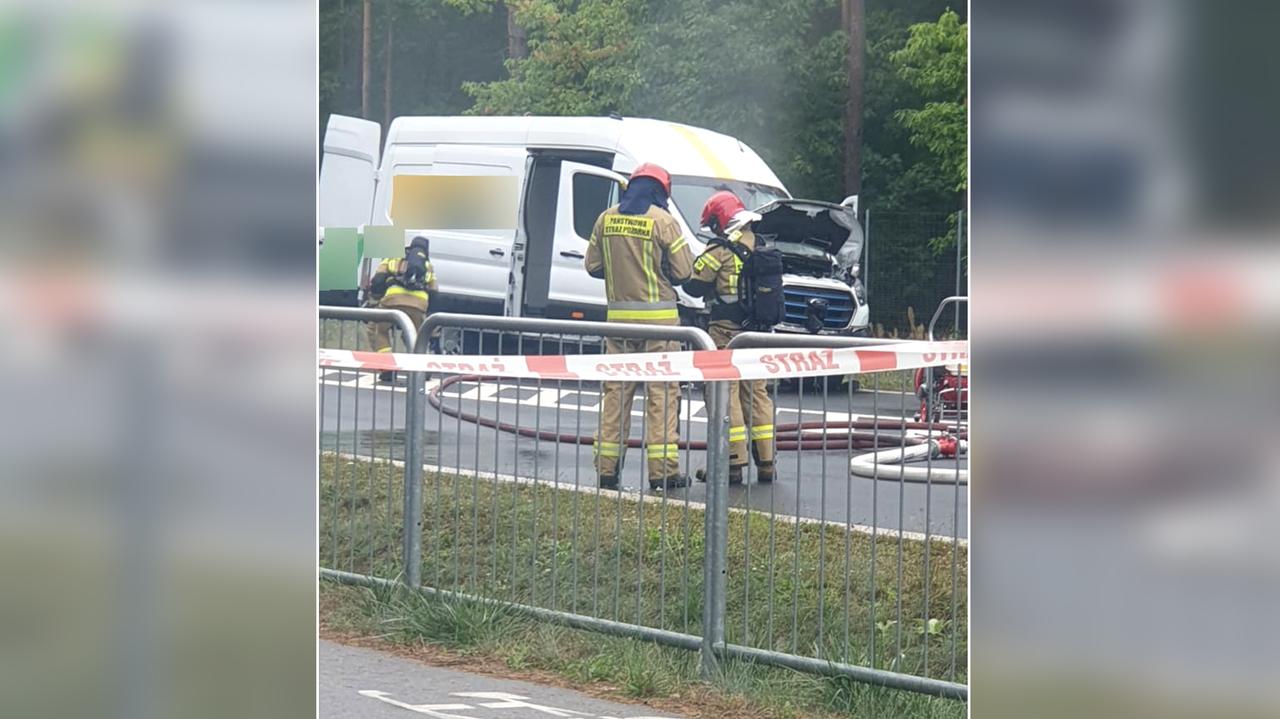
pixel 718 168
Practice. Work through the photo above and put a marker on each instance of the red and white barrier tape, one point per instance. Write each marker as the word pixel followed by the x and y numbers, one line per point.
pixel 696 366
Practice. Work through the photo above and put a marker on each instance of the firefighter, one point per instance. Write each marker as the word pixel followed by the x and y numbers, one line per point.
pixel 637 248
pixel 404 284
pixel 715 277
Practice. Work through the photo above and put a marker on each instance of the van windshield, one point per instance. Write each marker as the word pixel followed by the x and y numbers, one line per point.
pixel 690 193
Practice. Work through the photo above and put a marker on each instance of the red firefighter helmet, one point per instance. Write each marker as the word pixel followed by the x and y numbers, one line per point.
pixel 720 209
pixel 648 169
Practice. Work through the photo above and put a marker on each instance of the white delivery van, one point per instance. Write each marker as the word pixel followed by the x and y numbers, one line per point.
pixel 509 202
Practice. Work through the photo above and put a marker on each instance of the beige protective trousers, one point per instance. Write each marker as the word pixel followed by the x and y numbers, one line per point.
pixel 750 409
pixel 380 332
pixel 661 416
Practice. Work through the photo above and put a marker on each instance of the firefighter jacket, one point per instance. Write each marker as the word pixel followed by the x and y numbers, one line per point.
pixel 641 258
pixel 715 276
pixel 388 281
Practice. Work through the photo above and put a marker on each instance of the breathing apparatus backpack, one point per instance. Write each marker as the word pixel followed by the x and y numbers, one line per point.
pixel 413 269
pixel 759 284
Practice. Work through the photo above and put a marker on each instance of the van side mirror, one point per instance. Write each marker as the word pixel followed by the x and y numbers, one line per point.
pixel 851 202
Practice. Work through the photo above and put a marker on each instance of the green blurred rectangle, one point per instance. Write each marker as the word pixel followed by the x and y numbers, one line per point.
pixel 381 242
pixel 339 258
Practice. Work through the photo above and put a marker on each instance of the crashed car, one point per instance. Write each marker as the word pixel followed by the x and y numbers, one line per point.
pixel 821 245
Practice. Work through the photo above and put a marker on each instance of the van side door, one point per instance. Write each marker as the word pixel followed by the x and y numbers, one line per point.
pixel 585 191
pixel 464 198
pixel 348 171
pixel 348 174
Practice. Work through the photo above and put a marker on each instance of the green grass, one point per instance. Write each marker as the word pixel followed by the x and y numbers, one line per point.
pixel 489 636
pixel 888 382
pixel 806 588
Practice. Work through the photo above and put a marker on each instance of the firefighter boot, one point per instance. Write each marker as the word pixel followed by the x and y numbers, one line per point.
pixel 387 377
pixel 608 481
pixel 735 473
pixel 677 481
pixel 764 473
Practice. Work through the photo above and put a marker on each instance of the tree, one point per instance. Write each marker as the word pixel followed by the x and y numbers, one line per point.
pixel 934 62
pixel 580 60
pixel 769 72
pixel 366 42
pixel 388 55
pixel 517 38
pixel 854 16
pixel 898 175
pixel 434 47
pixel 774 73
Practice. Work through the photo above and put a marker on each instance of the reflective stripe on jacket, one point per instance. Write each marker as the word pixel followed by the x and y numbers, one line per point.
pixel 716 271
pixel 641 258
pixel 388 273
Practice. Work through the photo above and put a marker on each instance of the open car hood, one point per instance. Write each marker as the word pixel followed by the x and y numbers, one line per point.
pixel 822 225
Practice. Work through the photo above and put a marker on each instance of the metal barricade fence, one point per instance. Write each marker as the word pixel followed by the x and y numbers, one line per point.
pixel 369 452
pixel 518 456
pixel 510 512
pixel 850 561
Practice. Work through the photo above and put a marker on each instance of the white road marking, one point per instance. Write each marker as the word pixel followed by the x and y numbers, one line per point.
pixel 498 700
pixel 431 710
pixel 515 701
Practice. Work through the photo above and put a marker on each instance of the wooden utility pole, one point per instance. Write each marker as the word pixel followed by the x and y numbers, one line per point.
pixel 517 38
pixel 853 19
pixel 386 76
pixel 366 41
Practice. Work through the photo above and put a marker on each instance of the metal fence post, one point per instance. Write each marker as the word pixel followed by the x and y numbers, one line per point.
pixel 717 528
pixel 959 255
pixel 414 413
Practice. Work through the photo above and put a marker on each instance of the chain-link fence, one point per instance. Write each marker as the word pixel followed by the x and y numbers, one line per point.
pixel 912 261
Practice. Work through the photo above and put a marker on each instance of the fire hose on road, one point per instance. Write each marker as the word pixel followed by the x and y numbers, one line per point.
pixel 890 464
pixel 813 435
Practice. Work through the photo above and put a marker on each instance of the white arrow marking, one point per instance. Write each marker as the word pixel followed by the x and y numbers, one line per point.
pixel 515 701
pixel 431 710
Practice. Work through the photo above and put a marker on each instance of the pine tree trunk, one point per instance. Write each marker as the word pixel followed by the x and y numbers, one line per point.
pixel 386 78
pixel 517 38
pixel 853 16
pixel 366 40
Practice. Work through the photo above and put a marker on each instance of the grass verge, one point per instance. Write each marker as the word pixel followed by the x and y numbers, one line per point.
pixel 491 640
pixel 800 587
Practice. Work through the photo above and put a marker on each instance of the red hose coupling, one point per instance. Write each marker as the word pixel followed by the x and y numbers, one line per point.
pixel 948 446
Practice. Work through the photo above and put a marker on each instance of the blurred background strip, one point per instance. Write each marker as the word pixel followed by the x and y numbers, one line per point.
pixel 157 465
pixel 1124 219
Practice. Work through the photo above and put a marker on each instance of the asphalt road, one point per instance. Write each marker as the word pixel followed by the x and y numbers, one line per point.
pixel 365 684
pixel 812 483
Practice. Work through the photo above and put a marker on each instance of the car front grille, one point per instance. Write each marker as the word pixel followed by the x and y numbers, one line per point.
pixel 840 305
